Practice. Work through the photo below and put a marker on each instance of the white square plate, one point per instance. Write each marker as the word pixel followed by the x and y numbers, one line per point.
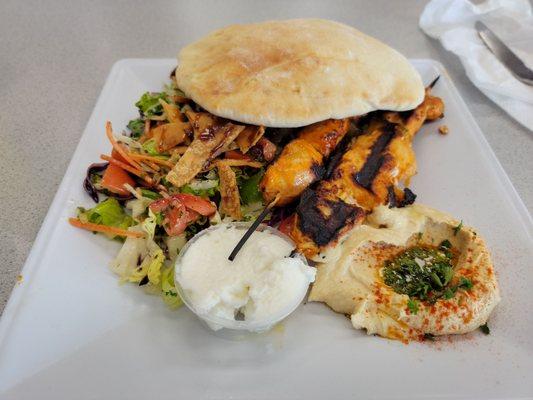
pixel 70 331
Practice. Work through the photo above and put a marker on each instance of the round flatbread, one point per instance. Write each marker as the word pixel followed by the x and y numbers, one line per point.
pixel 296 72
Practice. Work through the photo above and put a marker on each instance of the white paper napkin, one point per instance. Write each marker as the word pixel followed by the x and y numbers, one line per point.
pixel 452 22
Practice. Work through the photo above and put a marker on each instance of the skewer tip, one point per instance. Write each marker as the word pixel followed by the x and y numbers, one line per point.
pixel 434 82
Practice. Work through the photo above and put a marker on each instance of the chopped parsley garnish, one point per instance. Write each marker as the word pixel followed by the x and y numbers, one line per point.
pixel 413 306
pixel 418 271
pixel 465 283
pixel 424 273
pixel 446 244
pixel 448 293
pixel 457 228
pixel 485 329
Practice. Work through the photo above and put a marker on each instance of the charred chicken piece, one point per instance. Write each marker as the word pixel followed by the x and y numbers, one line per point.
pixel 367 175
pixel 302 161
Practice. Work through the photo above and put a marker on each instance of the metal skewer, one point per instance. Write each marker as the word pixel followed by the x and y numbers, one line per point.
pixel 434 82
pixel 252 229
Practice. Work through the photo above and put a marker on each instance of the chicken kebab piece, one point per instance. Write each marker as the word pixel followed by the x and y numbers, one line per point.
pixel 302 161
pixel 366 175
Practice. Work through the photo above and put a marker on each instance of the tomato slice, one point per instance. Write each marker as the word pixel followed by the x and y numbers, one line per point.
pixel 176 218
pixel 192 216
pixel 114 179
pixel 178 211
pixel 196 203
pixel 159 205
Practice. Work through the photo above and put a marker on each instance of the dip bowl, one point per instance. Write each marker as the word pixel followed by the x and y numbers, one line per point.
pixel 229 327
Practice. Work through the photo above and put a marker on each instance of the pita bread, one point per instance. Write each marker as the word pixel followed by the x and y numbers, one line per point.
pixel 296 72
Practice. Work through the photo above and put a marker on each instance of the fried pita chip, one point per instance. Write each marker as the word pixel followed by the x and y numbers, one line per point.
pixel 172 112
pixel 230 203
pixel 204 148
pixel 249 137
pixel 170 135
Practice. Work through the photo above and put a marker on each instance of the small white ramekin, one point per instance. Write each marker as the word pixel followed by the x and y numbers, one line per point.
pixel 229 327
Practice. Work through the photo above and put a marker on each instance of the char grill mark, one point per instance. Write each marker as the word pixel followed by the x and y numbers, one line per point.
pixel 318 171
pixel 322 219
pixel 373 163
pixel 407 199
pixel 391 197
pixel 336 156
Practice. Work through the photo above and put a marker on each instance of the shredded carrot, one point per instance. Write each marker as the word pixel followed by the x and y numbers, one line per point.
pixel 117 147
pixel 127 167
pixel 102 228
pixel 151 158
pixel 147 167
pixel 152 165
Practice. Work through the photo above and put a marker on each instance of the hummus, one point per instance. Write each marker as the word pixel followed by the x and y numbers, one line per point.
pixel 350 277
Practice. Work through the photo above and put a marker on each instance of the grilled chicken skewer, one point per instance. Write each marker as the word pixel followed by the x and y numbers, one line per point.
pixel 366 175
pixel 302 161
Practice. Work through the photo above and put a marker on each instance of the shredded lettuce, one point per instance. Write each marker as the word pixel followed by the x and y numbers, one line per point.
pixel 138 206
pixel 150 223
pixel 149 194
pixel 215 219
pixel 202 192
pixel 206 186
pixel 150 147
pixel 131 254
pixel 154 267
pixel 251 211
pixel 174 245
pixel 150 265
pixel 168 288
pixel 149 105
pixel 249 188
pixel 136 126
pixel 172 89
pixel 138 258
pixel 109 213
pixel 142 260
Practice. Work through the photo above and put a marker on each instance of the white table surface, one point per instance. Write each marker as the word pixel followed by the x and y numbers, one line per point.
pixel 55 56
